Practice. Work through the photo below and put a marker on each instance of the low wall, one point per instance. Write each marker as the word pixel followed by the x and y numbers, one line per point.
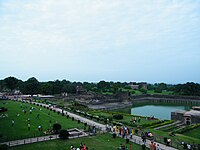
pixel 167 99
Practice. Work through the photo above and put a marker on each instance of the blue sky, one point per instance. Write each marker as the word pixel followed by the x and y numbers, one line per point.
pixel 93 40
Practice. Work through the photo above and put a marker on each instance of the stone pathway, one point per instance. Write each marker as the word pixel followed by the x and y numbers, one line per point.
pixel 39 139
pixel 175 123
pixel 138 140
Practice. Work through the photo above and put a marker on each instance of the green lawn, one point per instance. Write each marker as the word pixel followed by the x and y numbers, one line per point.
pixel 126 117
pixel 99 142
pixel 194 133
pixel 20 128
pixel 175 139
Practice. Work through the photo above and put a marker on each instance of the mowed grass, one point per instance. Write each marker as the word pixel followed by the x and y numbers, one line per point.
pixel 20 128
pixel 126 118
pixel 195 133
pixel 98 142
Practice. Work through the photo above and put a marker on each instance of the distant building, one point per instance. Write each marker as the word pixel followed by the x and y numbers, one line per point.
pixel 188 117
pixel 137 86
pixel 80 90
pixel 143 85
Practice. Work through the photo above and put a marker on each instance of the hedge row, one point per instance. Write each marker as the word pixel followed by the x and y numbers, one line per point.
pixel 187 128
pixel 162 124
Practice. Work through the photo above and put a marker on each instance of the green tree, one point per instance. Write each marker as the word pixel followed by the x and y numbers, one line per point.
pixel 31 86
pixel 11 83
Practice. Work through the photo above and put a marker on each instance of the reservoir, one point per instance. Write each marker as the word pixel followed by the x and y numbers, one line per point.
pixel 158 111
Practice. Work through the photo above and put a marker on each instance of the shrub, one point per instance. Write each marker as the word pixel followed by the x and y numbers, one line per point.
pixel 67 116
pixel 64 134
pixel 118 116
pixel 79 121
pixel 187 128
pixel 58 112
pixel 4 147
pixel 56 127
pixel 62 114
pixel 72 118
pixel 3 109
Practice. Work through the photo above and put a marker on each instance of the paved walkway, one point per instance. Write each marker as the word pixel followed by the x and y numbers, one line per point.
pixel 38 139
pixel 176 122
pixel 138 140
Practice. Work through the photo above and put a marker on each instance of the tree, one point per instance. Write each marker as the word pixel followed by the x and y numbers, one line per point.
pixel 31 86
pixel 64 134
pixel 56 127
pixel 11 83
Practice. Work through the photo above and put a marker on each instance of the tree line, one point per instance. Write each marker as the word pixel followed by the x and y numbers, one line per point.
pixel 33 86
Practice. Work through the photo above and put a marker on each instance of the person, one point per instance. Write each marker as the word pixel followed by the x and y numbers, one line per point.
pixel 81 146
pixel 72 147
pixel 84 147
pixel 13 122
pixel 39 128
pixel 158 147
pixel 136 131
pixel 28 120
pixel 38 115
pixel 143 138
pixel 139 119
pixel 152 146
pixel 168 141
pixel 29 126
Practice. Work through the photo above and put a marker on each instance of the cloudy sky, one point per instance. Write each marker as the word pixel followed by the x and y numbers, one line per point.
pixel 93 40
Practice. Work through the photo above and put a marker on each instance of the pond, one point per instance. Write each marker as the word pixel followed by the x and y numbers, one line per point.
pixel 158 111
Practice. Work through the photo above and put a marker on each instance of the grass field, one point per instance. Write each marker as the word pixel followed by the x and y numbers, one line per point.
pixel 195 133
pixel 99 142
pixel 126 117
pixel 20 128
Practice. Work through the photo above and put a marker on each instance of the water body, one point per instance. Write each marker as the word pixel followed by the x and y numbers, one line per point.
pixel 158 111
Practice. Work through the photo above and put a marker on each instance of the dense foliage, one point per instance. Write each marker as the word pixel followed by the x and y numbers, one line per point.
pixel 33 86
pixel 118 116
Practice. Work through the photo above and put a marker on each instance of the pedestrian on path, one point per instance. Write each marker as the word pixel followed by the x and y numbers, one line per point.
pixel 29 126
pixel 13 122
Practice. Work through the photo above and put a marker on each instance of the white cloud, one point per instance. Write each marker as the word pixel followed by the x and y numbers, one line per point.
pixel 84 31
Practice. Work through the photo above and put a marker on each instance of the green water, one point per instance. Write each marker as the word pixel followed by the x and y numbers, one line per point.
pixel 158 111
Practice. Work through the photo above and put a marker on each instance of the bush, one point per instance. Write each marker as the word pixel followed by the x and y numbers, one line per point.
pixel 62 114
pixel 56 127
pixel 3 109
pixel 3 147
pixel 58 112
pixel 72 118
pixel 64 134
pixel 187 128
pixel 67 116
pixel 118 116
pixel 79 121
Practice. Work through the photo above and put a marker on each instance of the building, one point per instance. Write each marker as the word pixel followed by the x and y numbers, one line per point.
pixel 188 117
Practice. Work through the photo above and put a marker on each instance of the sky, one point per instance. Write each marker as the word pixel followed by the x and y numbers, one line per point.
pixel 93 40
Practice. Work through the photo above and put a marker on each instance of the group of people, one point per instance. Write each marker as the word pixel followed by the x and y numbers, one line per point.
pixel 134 120
pixel 125 131
pixel 81 147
